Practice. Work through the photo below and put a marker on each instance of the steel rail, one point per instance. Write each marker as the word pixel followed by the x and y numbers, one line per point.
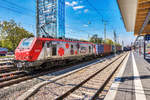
pixel 108 79
pixel 84 81
pixel 35 88
pixel 9 74
pixel 17 79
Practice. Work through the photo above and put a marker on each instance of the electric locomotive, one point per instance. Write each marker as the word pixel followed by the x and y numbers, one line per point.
pixel 33 52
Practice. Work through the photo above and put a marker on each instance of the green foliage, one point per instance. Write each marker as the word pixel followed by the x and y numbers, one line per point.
pixel 84 40
pixel 11 34
pixel 96 39
pixel 0 44
pixel 109 41
pixel 117 44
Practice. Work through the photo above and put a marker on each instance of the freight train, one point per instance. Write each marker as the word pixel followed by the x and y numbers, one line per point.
pixel 34 52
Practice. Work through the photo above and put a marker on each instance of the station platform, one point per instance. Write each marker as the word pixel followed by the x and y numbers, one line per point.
pixel 133 80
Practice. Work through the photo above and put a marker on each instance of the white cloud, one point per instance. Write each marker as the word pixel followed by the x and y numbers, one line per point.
pixel 86 10
pixel 78 7
pixel 73 3
pixel 67 3
pixel 85 25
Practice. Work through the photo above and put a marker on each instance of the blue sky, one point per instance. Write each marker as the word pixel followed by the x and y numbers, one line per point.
pixel 78 15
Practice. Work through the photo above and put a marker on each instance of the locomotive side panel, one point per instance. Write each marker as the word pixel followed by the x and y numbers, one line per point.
pixel 37 51
pixel 64 49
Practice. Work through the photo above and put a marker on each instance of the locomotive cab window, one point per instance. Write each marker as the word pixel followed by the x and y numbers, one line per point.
pixel 26 43
pixel 48 44
pixel 89 49
pixel 72 51
pixel 54 50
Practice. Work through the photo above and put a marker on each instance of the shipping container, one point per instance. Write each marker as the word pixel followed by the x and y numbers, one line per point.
pixel 107 49
pixel 99 49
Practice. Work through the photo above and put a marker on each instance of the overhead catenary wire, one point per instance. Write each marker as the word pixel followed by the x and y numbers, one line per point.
pixel 79 30
pixel 10 9
pixel 99 13
pixel 95 9
pixel 14 9
pixel 17 6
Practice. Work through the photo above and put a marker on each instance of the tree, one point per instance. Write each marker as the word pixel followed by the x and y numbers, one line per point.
pixel 109 41
pixel 0 43
pixel 11 34
pixel 96 39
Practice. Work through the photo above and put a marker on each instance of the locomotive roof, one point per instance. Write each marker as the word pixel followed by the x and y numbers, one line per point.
pixel 64 40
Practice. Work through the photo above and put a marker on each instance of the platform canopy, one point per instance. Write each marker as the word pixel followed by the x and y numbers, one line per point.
pixel 136 15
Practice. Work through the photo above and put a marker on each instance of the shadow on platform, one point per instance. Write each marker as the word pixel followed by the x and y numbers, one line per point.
pixel 128 78
pixel 148 60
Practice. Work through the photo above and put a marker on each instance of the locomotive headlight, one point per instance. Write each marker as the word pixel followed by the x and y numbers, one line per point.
pixel 28 57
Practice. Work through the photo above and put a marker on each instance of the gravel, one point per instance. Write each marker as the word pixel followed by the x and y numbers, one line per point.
pixel 12 92
pixel 53 90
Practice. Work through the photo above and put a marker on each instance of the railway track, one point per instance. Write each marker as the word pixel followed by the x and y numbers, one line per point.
pixel 7 65
pixel 6 59
pixel 8 78
pixel 11 76
pixel 15 77
pixel 72 81
pixel 96 81
pixel 7 69
pixel 19 77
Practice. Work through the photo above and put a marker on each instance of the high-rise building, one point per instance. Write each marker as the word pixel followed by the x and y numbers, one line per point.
pixel 51 18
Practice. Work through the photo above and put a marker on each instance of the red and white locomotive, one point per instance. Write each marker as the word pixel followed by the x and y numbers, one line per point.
pixel 34 51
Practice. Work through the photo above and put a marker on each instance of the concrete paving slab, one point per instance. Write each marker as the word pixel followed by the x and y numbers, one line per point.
pixel 126 87
pixel 135 81
pixel 144 71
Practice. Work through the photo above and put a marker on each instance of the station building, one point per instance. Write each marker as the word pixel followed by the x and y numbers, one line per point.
pixel 136 18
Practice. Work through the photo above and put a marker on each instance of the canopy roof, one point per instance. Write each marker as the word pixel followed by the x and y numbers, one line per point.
pixel 136 15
